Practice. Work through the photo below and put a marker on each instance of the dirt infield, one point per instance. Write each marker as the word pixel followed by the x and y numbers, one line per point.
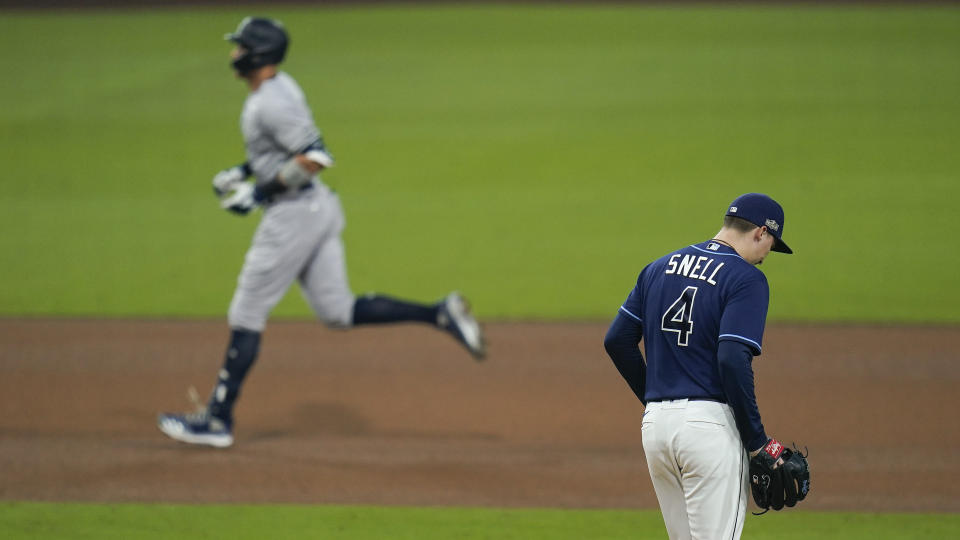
pixel 401 415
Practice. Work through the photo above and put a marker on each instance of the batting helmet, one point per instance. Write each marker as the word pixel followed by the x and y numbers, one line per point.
pixel 264 42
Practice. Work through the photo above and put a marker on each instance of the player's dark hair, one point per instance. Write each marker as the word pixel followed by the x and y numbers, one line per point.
pixel 738 224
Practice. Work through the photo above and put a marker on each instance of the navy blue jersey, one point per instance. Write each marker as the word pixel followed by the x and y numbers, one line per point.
pixel 687 302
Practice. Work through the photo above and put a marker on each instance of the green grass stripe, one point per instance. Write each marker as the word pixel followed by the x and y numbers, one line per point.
pixel 78 521
pixel 535 157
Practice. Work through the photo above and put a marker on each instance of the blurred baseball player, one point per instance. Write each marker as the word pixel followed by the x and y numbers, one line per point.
pixel 298 237
pixel 701 312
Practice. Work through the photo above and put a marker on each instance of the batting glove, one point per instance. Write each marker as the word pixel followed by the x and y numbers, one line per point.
pixel 241 201
pixel 227 180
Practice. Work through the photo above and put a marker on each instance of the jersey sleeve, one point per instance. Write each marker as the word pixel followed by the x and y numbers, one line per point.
pixel 633 307
pixel 745 314
pixel 291 126
pixel 621 342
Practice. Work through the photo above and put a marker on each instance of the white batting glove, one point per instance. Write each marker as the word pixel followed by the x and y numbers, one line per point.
pixel 241 201
pixel 227 180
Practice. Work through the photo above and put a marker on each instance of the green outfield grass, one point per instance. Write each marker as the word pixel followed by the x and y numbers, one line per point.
pixel 534 157
pixel 36 520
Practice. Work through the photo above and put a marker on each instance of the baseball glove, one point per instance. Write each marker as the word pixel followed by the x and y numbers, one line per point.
pixel 778 476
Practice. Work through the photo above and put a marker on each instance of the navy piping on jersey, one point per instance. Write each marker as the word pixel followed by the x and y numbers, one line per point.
pixel 739 494
pixel 627 311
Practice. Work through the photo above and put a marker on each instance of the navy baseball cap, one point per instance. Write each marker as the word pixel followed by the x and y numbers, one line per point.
pixel 762 211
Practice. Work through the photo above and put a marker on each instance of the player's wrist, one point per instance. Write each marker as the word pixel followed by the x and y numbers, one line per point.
pixel 757 443
pixel 772 449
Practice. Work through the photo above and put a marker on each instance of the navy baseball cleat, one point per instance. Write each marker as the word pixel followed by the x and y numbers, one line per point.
pixel 196 428
pixel 455 317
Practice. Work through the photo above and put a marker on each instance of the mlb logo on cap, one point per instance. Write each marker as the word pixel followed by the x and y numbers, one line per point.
pixel 762 211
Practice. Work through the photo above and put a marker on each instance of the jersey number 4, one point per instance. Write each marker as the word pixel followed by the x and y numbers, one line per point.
pixel 679 316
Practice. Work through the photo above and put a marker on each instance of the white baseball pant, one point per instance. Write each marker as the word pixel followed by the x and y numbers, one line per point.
pixel 698 467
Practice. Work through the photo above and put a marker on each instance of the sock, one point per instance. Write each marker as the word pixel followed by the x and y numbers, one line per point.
pixel 377 309
pixel 241 353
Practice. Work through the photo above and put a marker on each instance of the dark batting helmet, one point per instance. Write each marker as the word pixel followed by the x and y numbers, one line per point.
pixel 264 42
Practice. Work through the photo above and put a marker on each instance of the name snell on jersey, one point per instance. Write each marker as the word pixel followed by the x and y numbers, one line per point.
pixel 693 267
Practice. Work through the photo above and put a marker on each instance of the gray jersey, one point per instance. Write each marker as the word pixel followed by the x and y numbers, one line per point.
pixel 298 238
pixel 277 124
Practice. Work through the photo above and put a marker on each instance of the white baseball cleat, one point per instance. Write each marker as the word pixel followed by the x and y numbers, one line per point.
pixel 196 428
pixel 455 317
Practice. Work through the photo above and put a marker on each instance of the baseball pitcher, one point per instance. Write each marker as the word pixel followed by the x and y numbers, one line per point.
pixel 701 312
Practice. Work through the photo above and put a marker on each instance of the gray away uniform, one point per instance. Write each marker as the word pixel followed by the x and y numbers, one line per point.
pixel 299 234
pixel 298 238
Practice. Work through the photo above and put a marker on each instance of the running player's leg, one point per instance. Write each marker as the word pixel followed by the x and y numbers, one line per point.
pixel 277 252
pixel 659 430
pixel 714 471
pixel 325 285
pixel 271 264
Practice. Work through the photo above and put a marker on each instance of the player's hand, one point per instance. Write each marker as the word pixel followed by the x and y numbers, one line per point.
pixel 227 180
pixel 776 464
pixel 241 201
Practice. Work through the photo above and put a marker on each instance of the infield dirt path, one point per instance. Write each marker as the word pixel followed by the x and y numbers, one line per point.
pixel 402 415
